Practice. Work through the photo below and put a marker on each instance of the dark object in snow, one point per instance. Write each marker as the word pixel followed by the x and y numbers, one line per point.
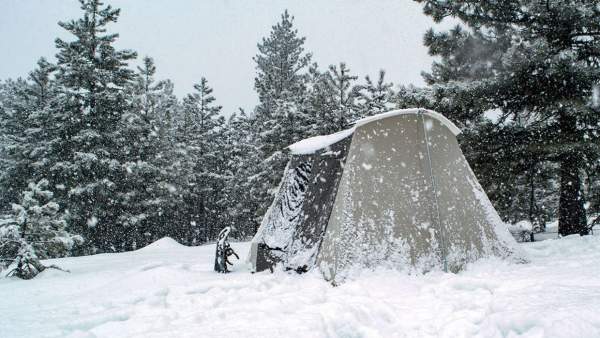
pixel 224 250
pixel 524 236
pixel 29 268
pixel 26 268
pixel 393 190
pixel 595 222
pixel 266 257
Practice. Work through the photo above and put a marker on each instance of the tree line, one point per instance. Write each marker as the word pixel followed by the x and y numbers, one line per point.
pixel 98 157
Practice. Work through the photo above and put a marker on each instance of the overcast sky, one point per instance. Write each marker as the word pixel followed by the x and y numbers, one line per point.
pixel 217 38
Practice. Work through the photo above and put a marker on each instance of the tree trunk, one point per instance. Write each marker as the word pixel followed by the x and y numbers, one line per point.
pixel 532 193
pixel 571 213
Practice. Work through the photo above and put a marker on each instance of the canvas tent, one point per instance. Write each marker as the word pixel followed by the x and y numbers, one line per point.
pixel 395 189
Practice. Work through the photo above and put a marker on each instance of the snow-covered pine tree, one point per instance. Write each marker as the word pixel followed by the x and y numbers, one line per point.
pixel 143 142
pixel 281 117
pixel 25 137
pixel 167 107
pixel 15 165
pixel 375 97
pixel 531 60
pixel 225 168
pixel 521 187
pixel 201 182
pixel 332 99
pixel 342 92
pixel 168 160
pixel 87 155
pixel 42 88
pixel 280 82
pixel 155 98
pixel 318 103
pixel 243 157
pixel 410 96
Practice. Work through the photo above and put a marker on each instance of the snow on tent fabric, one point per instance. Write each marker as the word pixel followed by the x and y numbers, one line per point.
pixel 395 189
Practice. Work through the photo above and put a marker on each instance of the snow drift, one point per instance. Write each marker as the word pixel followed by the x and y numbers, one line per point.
pixel 173 292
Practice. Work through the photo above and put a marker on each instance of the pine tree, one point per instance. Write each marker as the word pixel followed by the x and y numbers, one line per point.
pixel 201 181
pixel 332 99
pixel 87 155
pixel 281 117
pixel 375 98
pixel 25 137
pixel 15 163
pixel 143 141
pixel 241 193
pixel 155 99
pixel 42 89
pixel 342 92
pixel 534 61
pixel 521 187
pixel 281 85
pixel 318 104
pixel 415 97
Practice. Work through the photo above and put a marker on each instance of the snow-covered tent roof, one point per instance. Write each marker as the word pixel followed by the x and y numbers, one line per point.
pixel 312 144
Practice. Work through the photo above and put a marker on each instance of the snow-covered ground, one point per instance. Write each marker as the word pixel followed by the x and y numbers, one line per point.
pixel 167 290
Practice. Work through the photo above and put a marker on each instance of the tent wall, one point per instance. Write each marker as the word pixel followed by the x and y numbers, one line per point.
pixel 293 227
pixel 382 210
pixel 318 203
pixel 393 190
pixel 471 226
pixel 406 202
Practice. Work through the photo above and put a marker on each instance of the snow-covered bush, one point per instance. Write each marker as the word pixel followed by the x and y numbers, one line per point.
pixel 42 223
pixel 18 257
pixel 36 230
pixel 521 231
pixel 521 226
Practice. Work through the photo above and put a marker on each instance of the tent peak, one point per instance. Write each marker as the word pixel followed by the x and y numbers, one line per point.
pixel 313 144
pixel 444 120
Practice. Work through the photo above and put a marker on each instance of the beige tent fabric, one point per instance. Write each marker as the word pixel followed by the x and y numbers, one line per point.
pixel 409 203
